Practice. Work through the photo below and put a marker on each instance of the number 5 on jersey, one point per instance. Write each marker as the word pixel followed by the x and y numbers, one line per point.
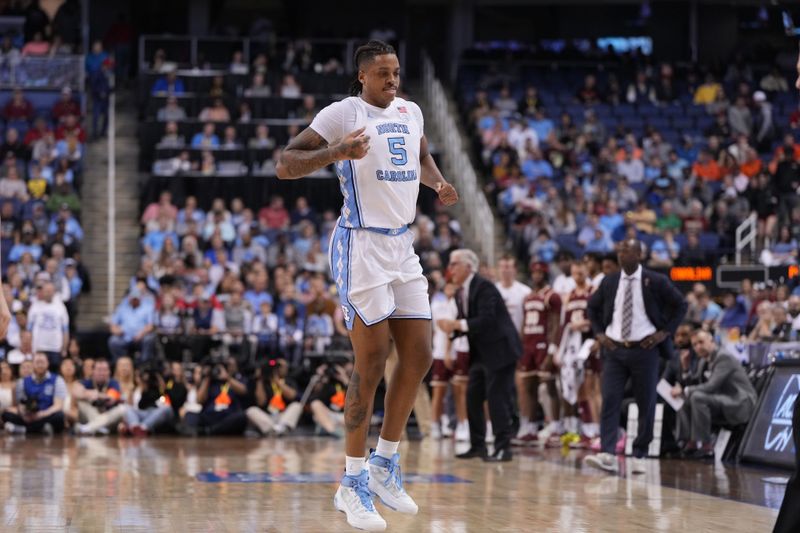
pixel 396 147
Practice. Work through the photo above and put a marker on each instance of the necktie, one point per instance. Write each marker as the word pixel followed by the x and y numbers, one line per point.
pixel 460 304
pixel 627 310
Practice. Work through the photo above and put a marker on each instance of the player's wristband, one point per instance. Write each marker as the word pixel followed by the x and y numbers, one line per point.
pixel 552 349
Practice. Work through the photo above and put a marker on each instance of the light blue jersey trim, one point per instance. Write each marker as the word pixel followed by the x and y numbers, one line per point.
pixel 351 211
pixel 410 317
pixel 392 232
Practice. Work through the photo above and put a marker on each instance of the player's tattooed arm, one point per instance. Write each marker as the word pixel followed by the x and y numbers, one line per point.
pixel 309 152
pixel 432 177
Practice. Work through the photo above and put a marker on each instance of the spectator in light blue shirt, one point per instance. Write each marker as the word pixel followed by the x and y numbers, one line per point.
pixel 676 166
pixel 665 251
pixel 599 243
pixel 589 230
pixel 544 248
pixel 26 246
pixel 74 280
pixel 153 241
pixel 71 225
pixel 258 294
pixel 612 219
pixel 206 138
pixel 535 166
pixel 735 313
pixel 542 125
pixel 132 328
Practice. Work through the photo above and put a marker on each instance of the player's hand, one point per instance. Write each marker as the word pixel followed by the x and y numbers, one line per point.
pixel 448 326
pixel 677 390
pixel 449 363
pixel 354 146
pixel 447 193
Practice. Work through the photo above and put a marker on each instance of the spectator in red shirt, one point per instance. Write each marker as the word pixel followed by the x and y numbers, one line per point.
pixel 66 107
pixel 18 108
pixel 274 216
pixel 70 124
pixel 38 131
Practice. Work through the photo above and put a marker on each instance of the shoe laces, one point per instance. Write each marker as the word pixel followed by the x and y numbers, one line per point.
pixel 395 476
pixel 361 488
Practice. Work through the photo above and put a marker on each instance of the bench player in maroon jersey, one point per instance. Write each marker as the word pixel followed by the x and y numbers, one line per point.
pixel 540 329
pixel 576 319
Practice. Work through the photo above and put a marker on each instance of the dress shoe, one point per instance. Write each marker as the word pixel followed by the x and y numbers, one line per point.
pixel 704 451
pixel 500 456
pixel 472 453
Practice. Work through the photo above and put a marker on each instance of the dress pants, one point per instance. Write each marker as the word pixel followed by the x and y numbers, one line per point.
pixel 702 410
pixel 641 366
pixel 496 386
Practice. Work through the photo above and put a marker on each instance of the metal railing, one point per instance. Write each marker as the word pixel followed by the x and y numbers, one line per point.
pixel 190 51
pixel 478 224
pixel 43 72
pixel 111 301
pixel 746 236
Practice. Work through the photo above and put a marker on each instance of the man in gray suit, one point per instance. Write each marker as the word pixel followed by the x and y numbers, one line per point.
pixel 726 397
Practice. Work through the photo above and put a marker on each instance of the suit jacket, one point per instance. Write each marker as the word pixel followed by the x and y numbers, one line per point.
pixel 493 339
pixel 727 378
pixel 673 373
pixel 664 304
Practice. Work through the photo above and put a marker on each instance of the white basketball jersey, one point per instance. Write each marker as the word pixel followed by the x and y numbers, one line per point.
pixel 380 190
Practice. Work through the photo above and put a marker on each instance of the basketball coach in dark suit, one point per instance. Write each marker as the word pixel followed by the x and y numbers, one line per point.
pixel 494 348
pixel 634 315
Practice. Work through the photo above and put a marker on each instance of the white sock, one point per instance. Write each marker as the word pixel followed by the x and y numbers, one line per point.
pixel 386 448
pixel 354 465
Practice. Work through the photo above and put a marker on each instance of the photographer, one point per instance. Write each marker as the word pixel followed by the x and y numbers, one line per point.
pixel 40 401
pixel 159 401
pixel 99 401
pixel 221 392
pixel 327 399
pixel 276 410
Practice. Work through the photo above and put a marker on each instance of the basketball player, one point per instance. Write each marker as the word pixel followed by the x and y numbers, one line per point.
pixel 512 291
pixel 449 366
pixel 540 329
pixel 377 144
pixel 577 322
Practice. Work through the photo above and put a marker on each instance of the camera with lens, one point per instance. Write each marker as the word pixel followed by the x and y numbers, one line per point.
pixel 31 405
pixel 215 365
pixel 150 375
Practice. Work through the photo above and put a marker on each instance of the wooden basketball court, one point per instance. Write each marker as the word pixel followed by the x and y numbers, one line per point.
pixel 242 485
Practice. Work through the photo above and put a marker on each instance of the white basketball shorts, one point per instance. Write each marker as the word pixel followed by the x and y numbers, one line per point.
pixel 378 276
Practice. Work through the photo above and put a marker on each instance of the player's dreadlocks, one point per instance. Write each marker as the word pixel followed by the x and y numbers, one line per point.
pixel 365 53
